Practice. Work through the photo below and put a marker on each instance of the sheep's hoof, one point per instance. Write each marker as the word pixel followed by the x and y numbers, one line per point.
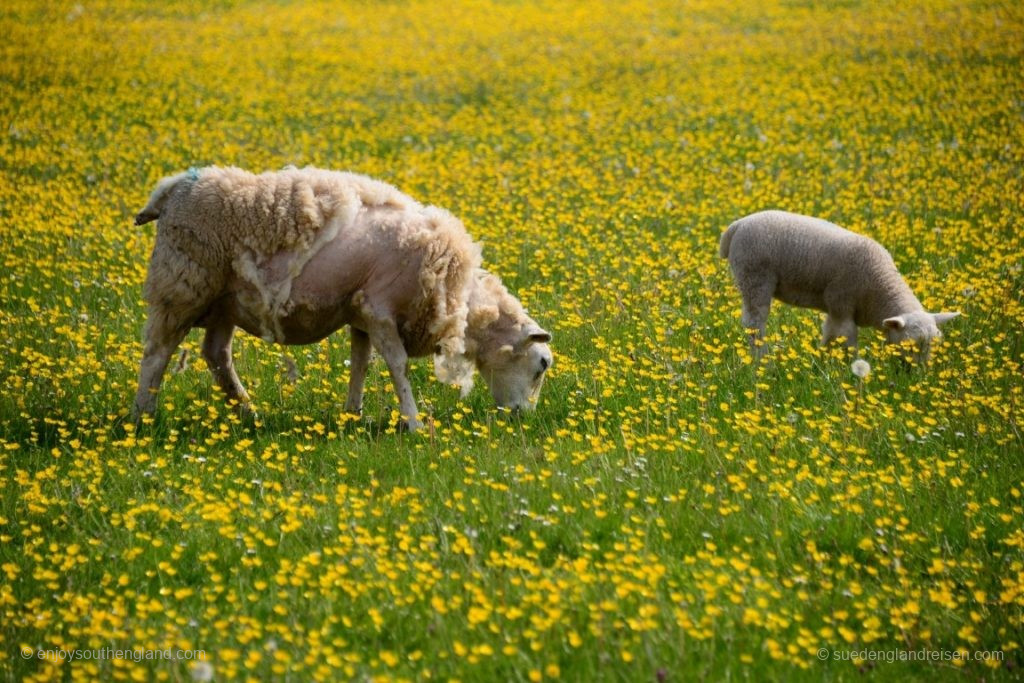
pixel 119 426
pixel 140 417
pixel 247 415
pixel 409 426
pixel 291 370
pixel 905 364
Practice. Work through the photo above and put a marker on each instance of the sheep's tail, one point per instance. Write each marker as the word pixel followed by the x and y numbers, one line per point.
pixel 723 244
pixel 161 193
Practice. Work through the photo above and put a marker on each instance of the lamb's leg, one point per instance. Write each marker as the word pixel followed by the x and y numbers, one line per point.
pixel 385 337
pixel 217 352
pixel 757 302
pixel 358 365
pixel 833 328
pixel 162 337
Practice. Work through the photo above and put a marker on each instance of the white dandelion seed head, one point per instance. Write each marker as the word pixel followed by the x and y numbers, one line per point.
pixel 202 671
pixel 861 368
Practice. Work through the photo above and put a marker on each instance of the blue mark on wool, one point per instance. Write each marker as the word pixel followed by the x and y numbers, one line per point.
pixel 192 174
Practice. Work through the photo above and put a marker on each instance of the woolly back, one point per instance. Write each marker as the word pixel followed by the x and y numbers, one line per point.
pixel 283 210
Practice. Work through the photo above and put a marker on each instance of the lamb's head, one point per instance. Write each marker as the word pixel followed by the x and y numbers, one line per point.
pixel 508 348
pixel 919 327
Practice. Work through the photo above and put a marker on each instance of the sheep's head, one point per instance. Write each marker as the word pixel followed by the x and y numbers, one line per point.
pixel 918 327
pixel 515 370
pixel 513 362
pixel 508 348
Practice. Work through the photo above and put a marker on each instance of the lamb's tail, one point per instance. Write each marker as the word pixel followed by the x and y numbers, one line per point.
pixel 723 244
pixel 160 195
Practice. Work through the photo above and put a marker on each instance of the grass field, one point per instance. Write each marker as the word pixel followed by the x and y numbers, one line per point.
pixel 671 511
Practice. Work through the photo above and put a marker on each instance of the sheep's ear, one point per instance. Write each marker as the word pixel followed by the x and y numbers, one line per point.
pixel 533 334
pixel 539 336
pixel 896 323
pixel 943 318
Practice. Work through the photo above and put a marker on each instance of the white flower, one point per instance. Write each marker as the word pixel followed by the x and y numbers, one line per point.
pixel 202 671
pixel 861 368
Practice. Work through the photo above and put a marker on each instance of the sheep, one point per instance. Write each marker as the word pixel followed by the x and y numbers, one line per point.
pixel 812 263
pixel 292 256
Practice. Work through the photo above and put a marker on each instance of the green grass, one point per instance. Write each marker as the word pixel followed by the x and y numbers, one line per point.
pixel 671 511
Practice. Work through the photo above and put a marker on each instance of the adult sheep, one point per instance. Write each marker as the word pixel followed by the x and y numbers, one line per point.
pixel 292 256
pixel 812 263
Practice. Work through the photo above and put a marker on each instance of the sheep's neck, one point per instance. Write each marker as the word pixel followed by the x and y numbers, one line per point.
pixel 896 298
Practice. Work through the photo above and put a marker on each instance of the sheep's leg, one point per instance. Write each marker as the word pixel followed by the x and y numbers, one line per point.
pixel 358 365
pixel 833 328
pixel 217 352
pixel 161 340
pixel 757 302
pixel 385 337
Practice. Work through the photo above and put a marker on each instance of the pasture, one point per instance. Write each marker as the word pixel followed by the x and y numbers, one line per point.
pixel 672 511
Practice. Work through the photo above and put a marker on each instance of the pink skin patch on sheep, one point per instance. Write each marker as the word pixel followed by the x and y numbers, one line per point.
pixel 295 255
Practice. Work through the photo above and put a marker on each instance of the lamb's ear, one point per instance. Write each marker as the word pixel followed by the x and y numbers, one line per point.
pixel 896 323
pixel 943 318
pixel 533 334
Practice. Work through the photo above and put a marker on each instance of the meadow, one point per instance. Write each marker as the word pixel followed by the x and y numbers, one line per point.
pixel 672 510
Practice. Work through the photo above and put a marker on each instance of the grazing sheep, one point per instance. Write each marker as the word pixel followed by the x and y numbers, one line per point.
pixel 291 256
pixel 812 263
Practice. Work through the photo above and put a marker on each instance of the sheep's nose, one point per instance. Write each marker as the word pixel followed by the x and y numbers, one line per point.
pixel 545 363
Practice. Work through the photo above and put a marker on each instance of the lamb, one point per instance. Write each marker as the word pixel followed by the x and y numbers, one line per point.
pixel 294 255
pixel 812 263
